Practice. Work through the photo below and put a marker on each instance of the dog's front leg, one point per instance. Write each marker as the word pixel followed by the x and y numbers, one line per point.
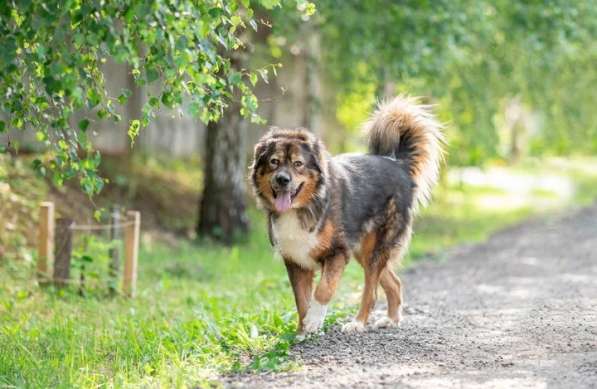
pixel 333 268
pixel 301 281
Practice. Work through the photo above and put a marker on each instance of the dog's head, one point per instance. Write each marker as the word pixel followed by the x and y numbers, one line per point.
pixel 288 169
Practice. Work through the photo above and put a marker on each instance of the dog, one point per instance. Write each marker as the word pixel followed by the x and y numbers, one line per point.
pixel 322 209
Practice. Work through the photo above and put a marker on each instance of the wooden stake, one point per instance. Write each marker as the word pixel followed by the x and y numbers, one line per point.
pixel 114 250
pixel 131 252
pixel 45 240
pixel 64 246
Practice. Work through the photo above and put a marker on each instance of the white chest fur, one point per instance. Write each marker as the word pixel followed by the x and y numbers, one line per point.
pixel 293 241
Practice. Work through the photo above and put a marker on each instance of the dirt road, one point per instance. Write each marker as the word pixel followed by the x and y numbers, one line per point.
pixel 517 311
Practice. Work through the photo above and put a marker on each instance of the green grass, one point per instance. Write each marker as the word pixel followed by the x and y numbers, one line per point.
pixel 204 310
pixel 200 309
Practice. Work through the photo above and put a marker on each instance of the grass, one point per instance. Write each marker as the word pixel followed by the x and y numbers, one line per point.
pixel 203 310
pixel 200 309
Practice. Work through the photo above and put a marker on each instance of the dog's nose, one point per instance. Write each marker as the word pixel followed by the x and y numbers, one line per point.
pixel 282 179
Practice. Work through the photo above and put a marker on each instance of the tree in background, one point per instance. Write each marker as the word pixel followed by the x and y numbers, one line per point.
pixel 223 203
pixel 222 206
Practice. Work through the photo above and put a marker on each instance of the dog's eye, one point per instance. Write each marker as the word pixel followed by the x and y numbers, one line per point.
pixel 274 162
pixel 297 163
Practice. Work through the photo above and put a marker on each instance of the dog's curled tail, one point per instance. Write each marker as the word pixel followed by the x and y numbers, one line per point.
pixel 404 129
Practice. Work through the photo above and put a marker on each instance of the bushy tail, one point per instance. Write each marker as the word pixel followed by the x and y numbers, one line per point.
pixel 404 129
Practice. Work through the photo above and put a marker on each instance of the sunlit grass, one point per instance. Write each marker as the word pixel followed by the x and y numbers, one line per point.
pixel 203 310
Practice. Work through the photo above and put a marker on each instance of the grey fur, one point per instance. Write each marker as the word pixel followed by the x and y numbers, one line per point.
pixel 363 185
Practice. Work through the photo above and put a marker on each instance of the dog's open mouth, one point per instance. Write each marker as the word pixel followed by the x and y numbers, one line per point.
pixel 283 199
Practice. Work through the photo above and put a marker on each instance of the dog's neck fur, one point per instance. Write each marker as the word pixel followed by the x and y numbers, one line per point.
pixel 312 215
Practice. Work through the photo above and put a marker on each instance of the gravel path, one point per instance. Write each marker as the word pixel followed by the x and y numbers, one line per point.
pixel 517 311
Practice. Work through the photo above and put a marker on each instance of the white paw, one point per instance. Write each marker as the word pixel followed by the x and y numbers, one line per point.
pixel 386 322
pixel 353 326
pixel 314 317
pixel 300 337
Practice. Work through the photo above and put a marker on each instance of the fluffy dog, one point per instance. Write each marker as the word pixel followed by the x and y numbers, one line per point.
pixel 323 209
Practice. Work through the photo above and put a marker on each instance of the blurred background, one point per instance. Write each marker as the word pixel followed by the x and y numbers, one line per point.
pixel 514 82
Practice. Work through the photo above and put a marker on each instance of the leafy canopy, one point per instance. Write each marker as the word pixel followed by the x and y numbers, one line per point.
pixel 472 57
pixel 52 53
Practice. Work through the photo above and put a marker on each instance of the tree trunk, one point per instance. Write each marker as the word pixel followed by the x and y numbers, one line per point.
pixel 222 207
pixel 312 56
pixel 515 125
pixel 223 203
pixel 387 86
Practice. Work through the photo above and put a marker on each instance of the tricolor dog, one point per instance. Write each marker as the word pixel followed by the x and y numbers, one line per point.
pixel 323 209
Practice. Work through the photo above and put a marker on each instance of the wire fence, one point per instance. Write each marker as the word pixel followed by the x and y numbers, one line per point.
pixel 100 227
pixel 55 250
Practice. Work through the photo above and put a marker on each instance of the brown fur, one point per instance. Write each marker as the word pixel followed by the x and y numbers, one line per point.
pixel 309 186
pixel 366 257
pixel 324 238
pixel 330 278
pixel 392 287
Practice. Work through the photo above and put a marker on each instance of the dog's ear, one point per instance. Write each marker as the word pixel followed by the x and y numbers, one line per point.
pixel 314 150
pixel 317 158
pixel 260 151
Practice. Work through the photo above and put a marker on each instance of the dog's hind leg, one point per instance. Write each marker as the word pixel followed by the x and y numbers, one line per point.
pixel 400 237
pixel 392 287
pixel 372 276
pixel 373 265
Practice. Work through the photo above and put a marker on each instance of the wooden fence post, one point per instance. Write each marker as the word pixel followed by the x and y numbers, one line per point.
pixel 63 246
pixel 45 240
pixel 131 252
pixel 114 252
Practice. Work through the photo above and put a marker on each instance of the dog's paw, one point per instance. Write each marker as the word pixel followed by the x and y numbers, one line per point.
pixel 353 326
pixel 301 336
pixel 386 322
pixel 314 317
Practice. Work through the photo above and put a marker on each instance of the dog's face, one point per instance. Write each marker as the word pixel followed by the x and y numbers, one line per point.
pixel 287 170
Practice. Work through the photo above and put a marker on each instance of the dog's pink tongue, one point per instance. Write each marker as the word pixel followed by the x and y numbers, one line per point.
pixel 282 202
